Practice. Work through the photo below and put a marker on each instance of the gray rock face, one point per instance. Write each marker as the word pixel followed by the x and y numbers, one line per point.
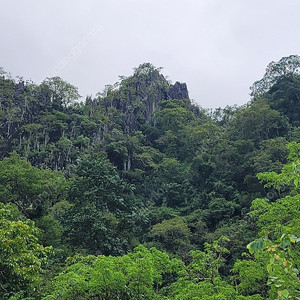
pixel 178 91
pixel 137 97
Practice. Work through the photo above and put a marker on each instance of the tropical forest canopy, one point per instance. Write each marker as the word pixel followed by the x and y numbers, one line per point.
pixel 140 193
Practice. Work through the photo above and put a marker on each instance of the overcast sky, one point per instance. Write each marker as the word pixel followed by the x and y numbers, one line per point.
pixel 219 48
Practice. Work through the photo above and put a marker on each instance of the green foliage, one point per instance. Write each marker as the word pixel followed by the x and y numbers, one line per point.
pixel 186 290
pixel 258 122
pixel 132 276
pixel 62 92
pixel 283 96
pixel 104 233
pixel 201 279
pixel 283 216
pixel 33 190
pixel 270 156
pixel 51 231
pixel 98 183
pixel 103 205
pixel 205 265
pixel 275 71
pixel 282 265
pixel 21 256
pixel 280 225
pixel 173 116
pixel 174 235
pixel 279 217
pixel 141 163
pixel 250 277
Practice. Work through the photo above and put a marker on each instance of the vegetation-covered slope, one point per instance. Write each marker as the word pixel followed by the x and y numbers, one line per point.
pixel 160 186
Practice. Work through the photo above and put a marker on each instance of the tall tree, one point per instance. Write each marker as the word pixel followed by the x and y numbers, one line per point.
pixel 21 256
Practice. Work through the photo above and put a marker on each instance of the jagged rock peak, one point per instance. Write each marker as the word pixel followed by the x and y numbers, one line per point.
pixel 148 74
pixel 178 91
pixel 137 97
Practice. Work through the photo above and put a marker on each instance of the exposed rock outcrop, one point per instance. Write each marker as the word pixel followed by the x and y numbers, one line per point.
pixel 137 97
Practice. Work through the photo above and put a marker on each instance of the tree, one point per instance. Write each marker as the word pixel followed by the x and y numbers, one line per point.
pixel 62 93
pixel 103 208
pixel 250 277
pixel 284 96
pixel 104 233
pixel 258 122
pixel 33 190
pixel 135 276
pixel 201 279
pixel 173 234
pixel 219 209
pixel 279 222
pixel 21 256
pixel 282 264
pixel 173 116
pixel 276 70
pixel 270 156
pixel 205 264
pixel 98 183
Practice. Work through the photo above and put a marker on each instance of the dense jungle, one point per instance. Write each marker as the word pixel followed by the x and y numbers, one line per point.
pixel 141 193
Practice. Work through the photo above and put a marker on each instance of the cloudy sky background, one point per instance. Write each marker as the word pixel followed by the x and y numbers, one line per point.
pixel 219 48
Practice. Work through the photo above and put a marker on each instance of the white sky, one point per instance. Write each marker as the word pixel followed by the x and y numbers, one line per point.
pixel 218 47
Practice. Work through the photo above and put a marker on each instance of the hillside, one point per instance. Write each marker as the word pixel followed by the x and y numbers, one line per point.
pixel 140 193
